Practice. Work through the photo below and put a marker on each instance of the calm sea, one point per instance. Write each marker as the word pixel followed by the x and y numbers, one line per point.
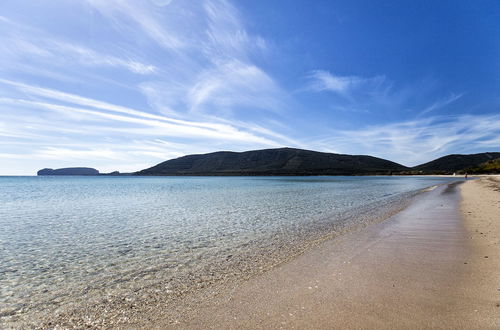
pixel 70 239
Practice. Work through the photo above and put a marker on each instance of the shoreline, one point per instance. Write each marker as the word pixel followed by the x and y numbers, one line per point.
pixel 417 269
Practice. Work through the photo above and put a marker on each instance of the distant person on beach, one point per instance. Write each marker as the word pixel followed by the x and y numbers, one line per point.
pixel 465 176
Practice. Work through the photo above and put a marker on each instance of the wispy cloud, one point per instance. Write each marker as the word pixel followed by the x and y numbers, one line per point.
pixel 27 44
pixel 204 64
pixel 352 93
pixel 183 127
pixel 209 72
pixel 233 84
pixel 129 15
pixel 81 112
pixel 321 80
pixel 441 103
pixel 58 153
pixel 417 141
pixel 377 94
pixel 147 126
pixel 89 57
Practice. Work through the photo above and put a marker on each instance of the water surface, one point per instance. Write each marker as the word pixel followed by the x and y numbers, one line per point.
pixel 65 238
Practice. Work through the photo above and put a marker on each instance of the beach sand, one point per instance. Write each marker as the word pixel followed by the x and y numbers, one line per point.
pixel 433 265
pixel 481 210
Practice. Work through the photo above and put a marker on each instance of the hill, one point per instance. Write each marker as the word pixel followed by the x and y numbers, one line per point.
pixel 69 171
pixel 282 161
pixel 489 167
pixel 456 163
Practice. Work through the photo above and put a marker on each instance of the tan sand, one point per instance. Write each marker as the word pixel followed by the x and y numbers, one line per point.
pixel 420 269
pixel 481 210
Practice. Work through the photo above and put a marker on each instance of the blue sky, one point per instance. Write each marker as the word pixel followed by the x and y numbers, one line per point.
pixel 124 85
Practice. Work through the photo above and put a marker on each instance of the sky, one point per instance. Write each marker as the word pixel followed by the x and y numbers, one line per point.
pixel 125 84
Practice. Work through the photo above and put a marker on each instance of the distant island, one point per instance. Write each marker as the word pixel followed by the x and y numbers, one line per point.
pixel 291 161
pixel 88 171
pixel 69 171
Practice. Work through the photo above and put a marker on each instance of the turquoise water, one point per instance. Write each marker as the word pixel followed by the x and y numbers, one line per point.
pixel 66 239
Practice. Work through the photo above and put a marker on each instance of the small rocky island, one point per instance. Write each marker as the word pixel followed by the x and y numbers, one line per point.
pixel 69 171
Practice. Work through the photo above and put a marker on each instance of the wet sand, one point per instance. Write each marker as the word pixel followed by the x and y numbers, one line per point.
pixel 425 267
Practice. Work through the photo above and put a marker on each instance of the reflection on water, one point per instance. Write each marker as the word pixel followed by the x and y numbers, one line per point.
pixel 63 238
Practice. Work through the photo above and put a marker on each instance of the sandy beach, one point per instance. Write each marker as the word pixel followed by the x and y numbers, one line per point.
pixel 433 265
pixel 481 211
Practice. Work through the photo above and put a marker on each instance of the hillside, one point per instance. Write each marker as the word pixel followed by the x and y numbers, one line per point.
pixel 282 161
pixel 456 163
pixel 489 167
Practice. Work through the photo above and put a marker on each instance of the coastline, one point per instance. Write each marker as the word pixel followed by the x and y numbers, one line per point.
pixel 422 268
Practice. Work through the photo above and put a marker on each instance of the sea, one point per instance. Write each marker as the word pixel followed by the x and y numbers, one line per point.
pixel 70 241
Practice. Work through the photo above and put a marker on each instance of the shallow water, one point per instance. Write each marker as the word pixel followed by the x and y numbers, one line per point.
pixel 64 238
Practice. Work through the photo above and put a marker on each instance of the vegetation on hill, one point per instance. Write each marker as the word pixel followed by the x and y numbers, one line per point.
pixel 455 163
pixel 282 161
pixel 489 167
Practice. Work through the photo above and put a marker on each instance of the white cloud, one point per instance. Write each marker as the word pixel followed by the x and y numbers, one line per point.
pixel 376 94
pixel 226 37
pixel 204 62
pixel 321 80
pixel 26 44
pixel 211 71
pixel 65 153
pixel 418 141
pixel 214 129
pixel 232 84
pixel 147 126
pixel 161 3
pixel 143 15
pixel 354 93
pixel 93 117
pixel 88 57
pixel 441 103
